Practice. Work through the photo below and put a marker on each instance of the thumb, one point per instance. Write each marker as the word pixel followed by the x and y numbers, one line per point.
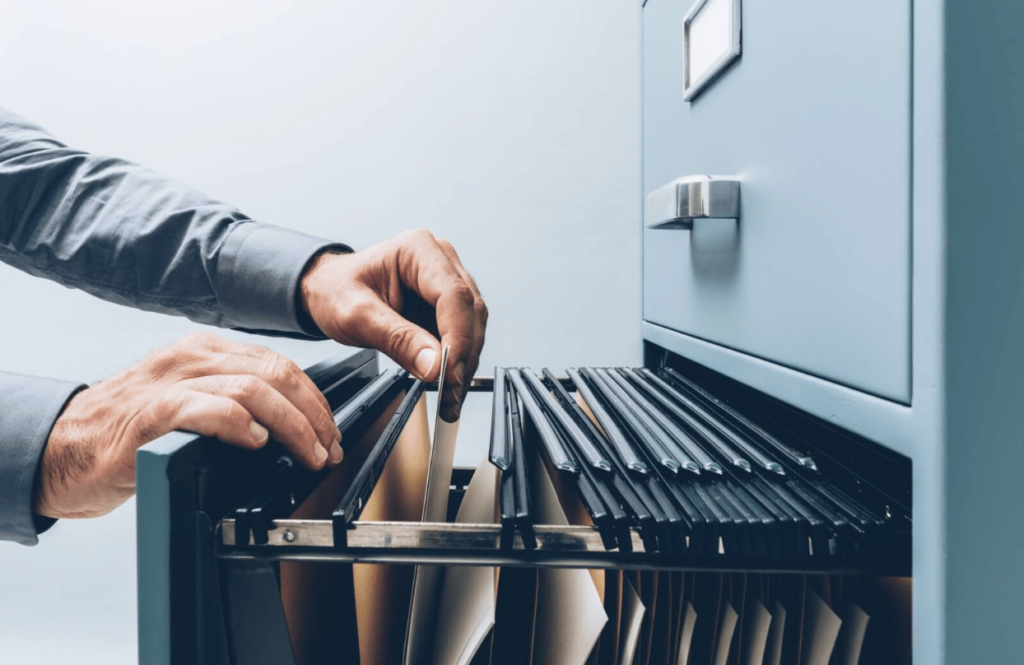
pixel 412 347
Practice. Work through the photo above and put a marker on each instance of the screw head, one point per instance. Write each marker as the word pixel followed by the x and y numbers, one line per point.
pixel 289 536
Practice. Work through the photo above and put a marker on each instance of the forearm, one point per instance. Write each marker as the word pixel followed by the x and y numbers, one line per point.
pixel 125 234
pixel 30 407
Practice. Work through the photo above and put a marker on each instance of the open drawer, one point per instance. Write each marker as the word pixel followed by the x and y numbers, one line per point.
pixel 240 558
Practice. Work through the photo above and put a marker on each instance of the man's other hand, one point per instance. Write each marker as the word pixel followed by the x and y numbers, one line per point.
pixel 400 297
pixel 239 393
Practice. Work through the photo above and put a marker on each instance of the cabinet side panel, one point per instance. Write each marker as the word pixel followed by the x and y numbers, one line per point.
pixel 984 311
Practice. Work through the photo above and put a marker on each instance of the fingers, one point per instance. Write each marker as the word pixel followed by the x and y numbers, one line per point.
pixel 381 327
pixel 291 382
pixel 274 363
pixel 284 376
pixel 202 413
pixel 425 268
pixel 443 283
pixel 463 371
pixel 268 408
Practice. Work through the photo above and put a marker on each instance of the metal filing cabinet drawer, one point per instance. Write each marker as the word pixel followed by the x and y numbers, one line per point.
pixel 814 119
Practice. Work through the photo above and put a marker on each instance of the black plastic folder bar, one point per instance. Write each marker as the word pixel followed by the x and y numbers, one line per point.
pixel 615 436
pixel 524 516
pixel 291 483
pixel 560 457
pixel 585 450
pixel 648 438
pixel 646 452
pixel 368 399
pixel 358 493
pixel 592 494
pixel 701 420
pixel 730 415
pixel 499 454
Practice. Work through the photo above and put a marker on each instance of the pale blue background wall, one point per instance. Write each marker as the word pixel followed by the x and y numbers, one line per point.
pixel 509 128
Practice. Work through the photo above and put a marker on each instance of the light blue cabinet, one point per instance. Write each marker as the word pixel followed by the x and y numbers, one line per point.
pixel 875 280
pixel 815 118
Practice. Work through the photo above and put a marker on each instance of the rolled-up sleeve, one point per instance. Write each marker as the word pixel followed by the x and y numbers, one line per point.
pixel 29 406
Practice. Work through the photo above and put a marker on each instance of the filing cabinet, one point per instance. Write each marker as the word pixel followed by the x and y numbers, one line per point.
pixel 871 277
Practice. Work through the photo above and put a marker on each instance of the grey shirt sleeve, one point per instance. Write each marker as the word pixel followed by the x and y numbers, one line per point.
pixel 123 233
pixel 30 406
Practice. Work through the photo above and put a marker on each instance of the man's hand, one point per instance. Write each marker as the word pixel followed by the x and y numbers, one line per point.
pixel 400 296
pixel 203 384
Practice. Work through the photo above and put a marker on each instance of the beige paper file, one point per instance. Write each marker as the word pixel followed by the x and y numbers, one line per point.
pixel 570 614
pixel 821 627
pixel 686 634
pixel 469 593
pixel 756 627
pixel 323 600
pixel 427 579
pixel 851 636
pixel 773 645
pixel 726 629
pixel 632 617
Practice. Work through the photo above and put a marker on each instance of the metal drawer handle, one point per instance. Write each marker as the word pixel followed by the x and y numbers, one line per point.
pixel 676 204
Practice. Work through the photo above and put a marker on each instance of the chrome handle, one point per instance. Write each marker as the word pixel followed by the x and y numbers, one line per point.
pixel 675 205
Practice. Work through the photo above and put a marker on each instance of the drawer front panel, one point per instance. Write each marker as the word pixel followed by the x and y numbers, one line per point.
pixel 814 118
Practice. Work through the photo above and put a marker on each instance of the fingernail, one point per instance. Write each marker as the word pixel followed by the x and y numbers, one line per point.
pixel 320 453
pixel 425 361
pixel 460 373
pixel 258 432
pixel 337 454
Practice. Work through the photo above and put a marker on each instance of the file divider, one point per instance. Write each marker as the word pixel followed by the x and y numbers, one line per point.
pixel 581 446
pixel 616 438
pixel 785 518
pixel 524 515
pixel 560 457
pixel 648 437
pixel 499 453
pixel 356 496
pixel 730 415
pixel 665 394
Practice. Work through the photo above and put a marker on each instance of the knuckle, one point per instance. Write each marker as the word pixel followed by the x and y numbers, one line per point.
pixel 163 409
pixel 326 423
pixel 229 412
pixel 419 234
pixel 461 291
pixel 200 338
pixel 278 418
pixel 242 386
pixel 170 404
pixel 280 371
pixel 255 349
pixel 398 339
pixel 482 313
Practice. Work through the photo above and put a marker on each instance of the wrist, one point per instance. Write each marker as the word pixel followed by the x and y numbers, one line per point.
pixel 308 290
pixel 57 462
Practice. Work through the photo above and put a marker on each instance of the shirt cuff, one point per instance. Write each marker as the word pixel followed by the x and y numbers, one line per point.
pixel 259 268
pixel 30 407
